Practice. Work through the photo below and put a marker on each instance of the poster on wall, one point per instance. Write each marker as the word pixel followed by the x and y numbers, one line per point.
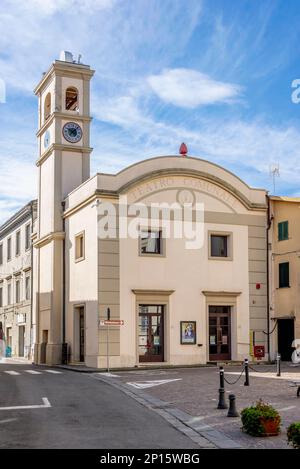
pixel 187 332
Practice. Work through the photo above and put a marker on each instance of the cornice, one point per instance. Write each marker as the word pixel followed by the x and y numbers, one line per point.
pixel 53 236
pixel 62 147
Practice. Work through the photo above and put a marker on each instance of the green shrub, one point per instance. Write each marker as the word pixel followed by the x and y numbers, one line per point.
pixel 293 434
pixel 253 418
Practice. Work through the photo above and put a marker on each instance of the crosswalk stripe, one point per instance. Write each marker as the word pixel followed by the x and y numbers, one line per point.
pixel 53 371
pixel 33 372
pixel 14 373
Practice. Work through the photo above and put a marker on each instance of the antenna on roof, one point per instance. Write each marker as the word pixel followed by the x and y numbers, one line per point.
pixel 274 172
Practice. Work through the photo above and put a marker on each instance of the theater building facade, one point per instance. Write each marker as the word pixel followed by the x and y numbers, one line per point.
pixel 174 246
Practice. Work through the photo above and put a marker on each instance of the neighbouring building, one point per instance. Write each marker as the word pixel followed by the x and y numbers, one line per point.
pixel 16 311
pixel 284 269
pixel 180 305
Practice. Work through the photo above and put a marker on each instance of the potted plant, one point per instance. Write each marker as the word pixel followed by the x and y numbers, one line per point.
pixel 261 420
pixel 293 434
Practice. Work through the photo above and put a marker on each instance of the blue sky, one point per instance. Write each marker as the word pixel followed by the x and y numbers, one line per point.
pixel 216 74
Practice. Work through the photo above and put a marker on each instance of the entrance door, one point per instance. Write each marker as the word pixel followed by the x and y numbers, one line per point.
pixel 21 341
pixel 285 338
pixel 219 333
pixel 81 334
pixel 151 333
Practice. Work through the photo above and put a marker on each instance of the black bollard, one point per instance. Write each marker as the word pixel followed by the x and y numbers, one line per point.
pixel 246 364
pixel 232 412
pixel 278 364
pixel 222 382
pixel 222 403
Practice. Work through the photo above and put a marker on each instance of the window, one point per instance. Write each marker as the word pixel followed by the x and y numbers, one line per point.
pixel 18 288
pixel 27 287
pixel 79 247
pixel 284 275
pixel 151 242
pixel 27 237
pixel 47 107
pixel 9 294
pixel 283 230
pixel 1 254
pixel 71 99
pixel 9 249
pixel 18 243
pixel 219 245
pixel 1 297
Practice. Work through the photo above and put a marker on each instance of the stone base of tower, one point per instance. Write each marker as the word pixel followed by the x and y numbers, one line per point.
pixel 48 354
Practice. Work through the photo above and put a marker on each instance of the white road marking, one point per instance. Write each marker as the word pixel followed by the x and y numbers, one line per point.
pixel 54 372
pixel 33 372
pixel 110 375
pixel 13 373
pixel 46 404
pixel 8 420
pixel 260 374
pixel 286 408
pixel 151 384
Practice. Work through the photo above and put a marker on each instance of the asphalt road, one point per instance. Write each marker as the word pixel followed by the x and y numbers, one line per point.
pixel 84 413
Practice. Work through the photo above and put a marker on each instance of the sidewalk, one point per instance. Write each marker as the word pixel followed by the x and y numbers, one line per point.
pixel 15 361
pixel 192 396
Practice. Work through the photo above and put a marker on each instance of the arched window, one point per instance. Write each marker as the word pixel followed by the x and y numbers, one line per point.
pixel 71 99
pixel 47 107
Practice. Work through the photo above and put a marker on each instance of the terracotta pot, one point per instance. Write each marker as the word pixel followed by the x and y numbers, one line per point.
pixel 271 426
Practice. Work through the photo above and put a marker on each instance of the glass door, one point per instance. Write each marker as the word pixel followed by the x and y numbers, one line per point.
pixel 151 333
pixel 219 333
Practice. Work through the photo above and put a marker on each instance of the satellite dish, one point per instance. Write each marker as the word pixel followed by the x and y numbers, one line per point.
pixel 66 56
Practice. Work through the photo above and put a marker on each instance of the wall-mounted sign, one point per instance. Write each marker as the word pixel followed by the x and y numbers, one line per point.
pixel 259 351
pixel 187 332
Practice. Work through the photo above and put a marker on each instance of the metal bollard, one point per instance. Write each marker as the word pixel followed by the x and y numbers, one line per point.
pixel 278 364
pixel 222 382
pixel 222 403
pixel 246 364
pixel 232 412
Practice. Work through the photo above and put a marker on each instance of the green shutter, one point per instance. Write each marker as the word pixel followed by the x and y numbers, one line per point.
pixel 283 230
pixel 284 275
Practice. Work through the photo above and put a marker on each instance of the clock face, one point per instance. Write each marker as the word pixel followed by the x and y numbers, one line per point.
pixel 47 139
pixel 72 132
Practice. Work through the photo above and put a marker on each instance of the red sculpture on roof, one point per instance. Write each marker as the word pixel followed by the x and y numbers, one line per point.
pixel 183 149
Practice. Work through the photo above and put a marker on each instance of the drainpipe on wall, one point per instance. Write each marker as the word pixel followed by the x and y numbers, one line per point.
pixel 64 351
pixel 31 285
pixel 269 223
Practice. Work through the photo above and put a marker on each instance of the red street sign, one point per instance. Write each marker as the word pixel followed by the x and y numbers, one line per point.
pixel 113 322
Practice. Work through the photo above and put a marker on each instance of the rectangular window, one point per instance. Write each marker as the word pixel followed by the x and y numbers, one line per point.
pixel 79 247
pixel 18 243
pixel 9 249
pixel 1 254
pixel 1 297
pixel 27 237
pixel 283 230
pixel 219 245
pixel 18 288
pixel 27 288
pixel 284 275
pixel 9 294
pixel 151 242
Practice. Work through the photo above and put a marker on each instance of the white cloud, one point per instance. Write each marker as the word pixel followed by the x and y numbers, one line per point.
pixel 189 88
pixel 50 7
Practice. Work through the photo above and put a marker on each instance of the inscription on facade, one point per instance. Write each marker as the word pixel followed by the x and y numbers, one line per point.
pixel 168 183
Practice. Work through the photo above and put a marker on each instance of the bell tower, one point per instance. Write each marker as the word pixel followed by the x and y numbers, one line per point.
pixel 63 164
